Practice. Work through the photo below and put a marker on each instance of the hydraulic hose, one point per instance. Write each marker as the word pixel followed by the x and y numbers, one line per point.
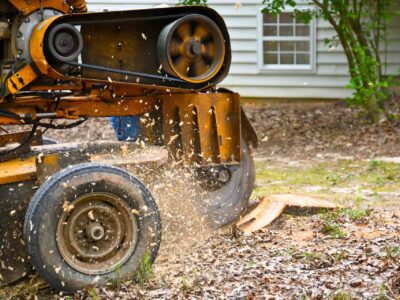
pixel 79 6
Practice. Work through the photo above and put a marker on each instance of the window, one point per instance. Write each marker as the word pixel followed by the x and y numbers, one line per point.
pixel 287 43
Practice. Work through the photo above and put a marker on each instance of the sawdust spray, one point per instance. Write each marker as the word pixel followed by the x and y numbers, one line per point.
pixel 178 196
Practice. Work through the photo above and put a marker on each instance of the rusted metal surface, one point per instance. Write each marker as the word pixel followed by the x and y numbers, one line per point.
pixel 120 72
pixel 199 127
pixel 203 128
pixel 129 47
pixel 96 233
pixel 19 137
pixel 118 42
pixel 73 107
pixel 132 44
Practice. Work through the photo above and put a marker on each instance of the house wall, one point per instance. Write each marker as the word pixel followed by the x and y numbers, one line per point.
pixel 327 79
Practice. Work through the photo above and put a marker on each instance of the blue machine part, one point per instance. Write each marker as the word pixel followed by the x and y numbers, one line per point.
pixel 126 128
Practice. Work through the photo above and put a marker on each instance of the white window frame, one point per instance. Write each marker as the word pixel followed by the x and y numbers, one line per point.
pixel 264 68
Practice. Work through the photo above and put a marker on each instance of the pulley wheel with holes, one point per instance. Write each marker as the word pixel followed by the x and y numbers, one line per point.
pixel 191 48
pixel 64 43
pixel 229 189
pixel 91 224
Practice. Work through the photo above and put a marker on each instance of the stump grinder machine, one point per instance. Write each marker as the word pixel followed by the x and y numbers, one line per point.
pixel 80 221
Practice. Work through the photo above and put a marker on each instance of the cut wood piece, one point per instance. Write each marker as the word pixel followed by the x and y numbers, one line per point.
pixel 264 218
pixel 303 201
pixel 272 207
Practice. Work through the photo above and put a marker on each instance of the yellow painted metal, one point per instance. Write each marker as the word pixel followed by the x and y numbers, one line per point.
pixel 46 166
pixel 17 170
pixel 21 79
pixel 74 107
pixel 36 48
pixel 27 7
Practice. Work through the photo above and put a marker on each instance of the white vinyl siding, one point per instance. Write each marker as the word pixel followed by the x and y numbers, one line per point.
pixel 247 76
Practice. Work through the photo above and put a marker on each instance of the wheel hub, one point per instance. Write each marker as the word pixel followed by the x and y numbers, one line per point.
pixel 95 231
pixel 22 29
pixel 99 234
pixel 193 48
pixel 64 43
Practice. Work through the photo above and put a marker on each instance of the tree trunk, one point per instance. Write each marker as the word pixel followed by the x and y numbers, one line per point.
pixel 375 111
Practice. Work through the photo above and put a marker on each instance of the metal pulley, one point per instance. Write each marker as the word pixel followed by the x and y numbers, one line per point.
pixel 64 43
pixel 191 48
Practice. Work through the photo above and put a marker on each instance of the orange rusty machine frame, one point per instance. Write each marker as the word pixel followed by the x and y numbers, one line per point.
pixel 212 117
pixel 162 64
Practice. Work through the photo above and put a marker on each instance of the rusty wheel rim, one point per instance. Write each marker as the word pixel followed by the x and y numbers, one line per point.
pixel 192 48
pixel 98 234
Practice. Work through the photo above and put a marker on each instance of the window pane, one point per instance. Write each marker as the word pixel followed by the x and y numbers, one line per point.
pixel 286 30
pixel 271 46
pixel 286 18
pixel 270 30
pixel 281 47
pixel 303 59
pixel 302 30
pixel 270 58
pixel 303 46
pixel 287 58
pixel 269 18
pixel 287 46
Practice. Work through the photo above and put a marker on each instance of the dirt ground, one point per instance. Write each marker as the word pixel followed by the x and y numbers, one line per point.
pixel 320 149
pixel 303 130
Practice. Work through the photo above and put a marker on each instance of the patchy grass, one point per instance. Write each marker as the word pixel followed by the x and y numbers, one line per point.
pixel 332 220
pixel 340 295
pixel 337 180
pixel 356 214
pixel 145 272
pixel 93 293
pixel 333 229
pixel 393 252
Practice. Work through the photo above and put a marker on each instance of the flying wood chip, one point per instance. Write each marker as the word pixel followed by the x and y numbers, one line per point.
pixel 271 207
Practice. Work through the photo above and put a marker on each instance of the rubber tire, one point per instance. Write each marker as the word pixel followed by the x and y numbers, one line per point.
pixel 225 205
pixel 46 208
